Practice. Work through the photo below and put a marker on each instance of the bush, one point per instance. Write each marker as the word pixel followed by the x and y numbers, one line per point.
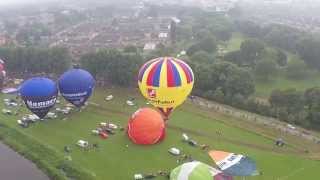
pixel 296 69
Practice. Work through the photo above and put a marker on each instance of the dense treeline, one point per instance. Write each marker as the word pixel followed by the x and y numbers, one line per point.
pixel 297 107
pixel 222 81
pixel 113 66
pixel 35 60
pixel 305 45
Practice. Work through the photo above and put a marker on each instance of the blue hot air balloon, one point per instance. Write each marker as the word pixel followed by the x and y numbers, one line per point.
pixel 39 94
pixel 76 86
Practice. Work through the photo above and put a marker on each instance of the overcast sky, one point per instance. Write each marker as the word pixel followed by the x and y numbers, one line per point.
pixel 12 2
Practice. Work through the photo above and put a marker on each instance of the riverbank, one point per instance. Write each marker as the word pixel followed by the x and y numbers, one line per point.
pixel 51 162
pixel 14 166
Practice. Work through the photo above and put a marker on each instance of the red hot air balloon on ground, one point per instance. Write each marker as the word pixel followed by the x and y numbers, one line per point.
pixel 146 126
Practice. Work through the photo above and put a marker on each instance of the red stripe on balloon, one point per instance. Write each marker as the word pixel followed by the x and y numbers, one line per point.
pixel 170 80
pixel 151 74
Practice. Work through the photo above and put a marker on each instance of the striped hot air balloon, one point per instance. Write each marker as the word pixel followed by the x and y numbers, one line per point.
pixel 166 82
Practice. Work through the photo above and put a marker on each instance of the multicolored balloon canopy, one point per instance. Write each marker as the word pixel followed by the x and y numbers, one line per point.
pixel 234 164
pixel 197 171
pixel 3 73
pixel 166 82
pixel 76 86
pixel 39 94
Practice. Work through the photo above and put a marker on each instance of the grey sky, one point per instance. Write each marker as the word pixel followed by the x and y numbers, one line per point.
pixel 13 2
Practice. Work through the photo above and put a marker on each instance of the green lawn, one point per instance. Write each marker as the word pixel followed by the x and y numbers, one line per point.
pixel 235 42
pixel 280 81
pixel 116 161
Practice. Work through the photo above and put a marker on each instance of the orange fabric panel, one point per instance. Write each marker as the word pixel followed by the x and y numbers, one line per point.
pixel 218 155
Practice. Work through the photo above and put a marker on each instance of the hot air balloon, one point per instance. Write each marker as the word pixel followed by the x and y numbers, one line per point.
pixel 2 73
pixel 166 82
pixel 234 164
pixel 146 127
pixel 197 171
pixel 76 86
pixel 39 94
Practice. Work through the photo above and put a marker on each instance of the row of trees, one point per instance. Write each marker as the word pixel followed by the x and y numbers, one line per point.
pixel 222 81
pixel 305 45
pixel 297 107
pixel 266 62
pixel 113 66
pixel 199 25
pixel 35 60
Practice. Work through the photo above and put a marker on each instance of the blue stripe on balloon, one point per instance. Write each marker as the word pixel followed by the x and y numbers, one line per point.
pixel 156 76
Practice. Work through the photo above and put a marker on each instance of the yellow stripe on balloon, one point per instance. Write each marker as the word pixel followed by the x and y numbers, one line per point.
pixel 163 74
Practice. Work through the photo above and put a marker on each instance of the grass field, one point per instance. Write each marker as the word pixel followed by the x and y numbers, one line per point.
pixel 114 161
pixel 235 42
pixel 280 81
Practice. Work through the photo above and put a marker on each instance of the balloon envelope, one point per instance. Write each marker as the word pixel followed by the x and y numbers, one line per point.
pixel 76 86
pixel 192 171
pixel 234 164
pixel 166 82
pixel 146 127
pixel 39 95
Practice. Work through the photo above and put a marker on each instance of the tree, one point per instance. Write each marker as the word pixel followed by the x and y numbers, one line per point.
pixel 312 102
pixel 130 49
pixel 291 100
pixel 184 32
pixel 309 51
pixel 202 57
pixel 218 95
pixel 234 57
pixel 35 60
pixel 282 36
pixel 265 69
pixel 208 44
pixel 296 69
pixel 227 77
pixel 222 32
pixel 249 28
pixel 113 66
pixel 250 51
pixel 163 50
pixel 281 58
